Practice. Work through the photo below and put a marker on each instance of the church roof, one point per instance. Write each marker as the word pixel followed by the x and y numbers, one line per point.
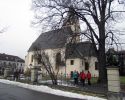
pixel 52 39
pixel 80 50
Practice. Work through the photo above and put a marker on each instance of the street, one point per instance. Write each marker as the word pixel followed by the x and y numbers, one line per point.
pixel 11 92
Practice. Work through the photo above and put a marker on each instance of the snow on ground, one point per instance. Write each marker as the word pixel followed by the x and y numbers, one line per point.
pixel 62 83
pixel 47 89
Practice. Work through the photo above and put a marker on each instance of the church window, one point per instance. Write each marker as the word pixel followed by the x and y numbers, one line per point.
pixel 58 60
pixel 71 62
pixel 86 66
pixel 82 62
pixel 96 65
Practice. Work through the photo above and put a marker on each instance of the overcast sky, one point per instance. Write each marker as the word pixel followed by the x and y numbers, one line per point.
pixel 16 16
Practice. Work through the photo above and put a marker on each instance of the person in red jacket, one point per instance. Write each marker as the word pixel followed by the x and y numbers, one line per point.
pixel 83 77
pixel 89 78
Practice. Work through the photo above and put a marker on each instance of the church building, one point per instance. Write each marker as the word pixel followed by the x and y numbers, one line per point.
pixel 65 49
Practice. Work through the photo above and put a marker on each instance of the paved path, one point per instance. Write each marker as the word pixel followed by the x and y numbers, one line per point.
pixel 11 92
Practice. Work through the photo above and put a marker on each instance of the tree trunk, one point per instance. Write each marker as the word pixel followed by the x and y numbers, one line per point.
pixel 101 55
pixel 54 79
pixel 102 65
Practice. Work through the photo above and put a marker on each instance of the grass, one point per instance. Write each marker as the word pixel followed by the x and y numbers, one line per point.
pixel 94 80
pixel 122 79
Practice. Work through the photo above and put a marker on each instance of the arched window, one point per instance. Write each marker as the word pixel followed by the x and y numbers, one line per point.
pixel 58 60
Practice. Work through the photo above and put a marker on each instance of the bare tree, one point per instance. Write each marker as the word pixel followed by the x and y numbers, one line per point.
pixel 42 58
pixel 95 14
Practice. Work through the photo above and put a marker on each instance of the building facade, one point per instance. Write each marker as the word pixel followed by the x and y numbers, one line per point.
pixel 11 61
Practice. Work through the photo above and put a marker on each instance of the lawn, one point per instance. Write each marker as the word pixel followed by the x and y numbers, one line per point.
pixel 122 79
pixel 94 80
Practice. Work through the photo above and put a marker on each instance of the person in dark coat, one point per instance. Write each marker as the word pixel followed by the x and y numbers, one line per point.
pixel 71 74
pixel 89 78
pixel 16 75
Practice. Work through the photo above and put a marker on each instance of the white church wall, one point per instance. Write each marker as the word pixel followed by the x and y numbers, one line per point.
pixel 91 61
pixel 51 54
pixel 77 65
pixel 92 69
pixel 28 60
pixel 71 67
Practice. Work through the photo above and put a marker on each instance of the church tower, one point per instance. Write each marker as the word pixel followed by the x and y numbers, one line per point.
pixel 72 21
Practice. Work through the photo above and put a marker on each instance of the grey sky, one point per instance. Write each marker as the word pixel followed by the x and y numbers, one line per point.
pixel 16 15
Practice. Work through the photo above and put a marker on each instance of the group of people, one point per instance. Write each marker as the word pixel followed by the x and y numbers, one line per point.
pixel 82 76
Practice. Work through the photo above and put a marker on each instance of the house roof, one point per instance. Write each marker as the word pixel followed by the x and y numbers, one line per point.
pixel 7 57
pixel 80 50
pixel 52 39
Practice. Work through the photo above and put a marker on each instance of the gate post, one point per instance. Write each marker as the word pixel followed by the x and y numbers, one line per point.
pixel 6 72
pixel 34 74
pixel 114 90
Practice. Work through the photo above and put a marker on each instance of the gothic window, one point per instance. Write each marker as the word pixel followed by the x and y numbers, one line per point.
pixel 32 58
pixel 82 62
pixel 86 66
pixel 58 60
pixel 96 65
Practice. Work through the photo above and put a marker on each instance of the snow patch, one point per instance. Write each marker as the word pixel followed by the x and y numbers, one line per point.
pixel 47 89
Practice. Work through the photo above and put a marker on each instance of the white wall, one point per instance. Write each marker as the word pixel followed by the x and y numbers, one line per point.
pixel 28 60
pixel 68 68
pixel 79 67
pixel 94 72
pixel 50 52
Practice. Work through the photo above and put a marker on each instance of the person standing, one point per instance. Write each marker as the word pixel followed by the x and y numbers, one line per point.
pixel 75 77
pixel 89 78
pixel 16 75
pixel 83 77
pixel 77 80
pixel 71 75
